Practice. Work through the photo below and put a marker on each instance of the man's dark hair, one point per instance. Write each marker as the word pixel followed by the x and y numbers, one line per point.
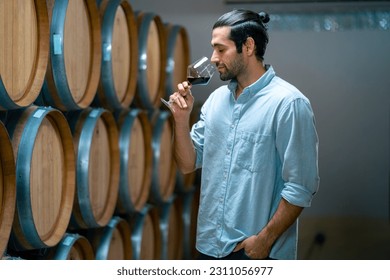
pixel 244 24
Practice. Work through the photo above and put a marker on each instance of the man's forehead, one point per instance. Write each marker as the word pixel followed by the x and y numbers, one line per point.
pixel 220 35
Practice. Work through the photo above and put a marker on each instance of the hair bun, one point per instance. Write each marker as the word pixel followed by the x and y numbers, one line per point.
pixel 264 17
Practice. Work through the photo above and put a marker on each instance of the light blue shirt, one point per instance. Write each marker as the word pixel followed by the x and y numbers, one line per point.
pixel 253 151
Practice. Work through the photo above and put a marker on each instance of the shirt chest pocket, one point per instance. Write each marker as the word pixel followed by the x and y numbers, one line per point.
pixel 253 151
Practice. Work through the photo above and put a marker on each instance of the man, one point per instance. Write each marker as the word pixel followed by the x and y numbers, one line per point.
pixel 257 146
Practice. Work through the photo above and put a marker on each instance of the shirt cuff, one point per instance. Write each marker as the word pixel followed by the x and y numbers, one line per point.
pixel 297 195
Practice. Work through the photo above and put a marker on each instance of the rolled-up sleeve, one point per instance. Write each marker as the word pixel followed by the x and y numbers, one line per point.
pixel 297 144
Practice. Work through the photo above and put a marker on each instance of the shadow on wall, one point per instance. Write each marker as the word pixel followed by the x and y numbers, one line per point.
pixel 343 238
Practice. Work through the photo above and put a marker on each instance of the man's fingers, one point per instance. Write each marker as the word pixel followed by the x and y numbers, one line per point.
pixel 184 88
pixel 238 247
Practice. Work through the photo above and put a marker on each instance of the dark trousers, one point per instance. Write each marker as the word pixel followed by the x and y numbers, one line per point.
pixel 239 255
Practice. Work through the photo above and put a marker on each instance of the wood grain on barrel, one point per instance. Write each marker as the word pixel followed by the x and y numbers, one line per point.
pixel 24 45
pixel 77 48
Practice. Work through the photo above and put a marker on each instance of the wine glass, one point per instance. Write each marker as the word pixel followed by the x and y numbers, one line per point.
pixel 198 73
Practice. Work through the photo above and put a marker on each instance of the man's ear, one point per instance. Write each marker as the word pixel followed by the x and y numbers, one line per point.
pixel 249 46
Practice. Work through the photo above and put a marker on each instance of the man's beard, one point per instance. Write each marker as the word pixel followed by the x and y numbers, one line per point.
pixel 228 75
pixel 236 67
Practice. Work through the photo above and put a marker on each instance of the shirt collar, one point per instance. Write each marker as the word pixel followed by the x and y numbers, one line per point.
pixel 254 88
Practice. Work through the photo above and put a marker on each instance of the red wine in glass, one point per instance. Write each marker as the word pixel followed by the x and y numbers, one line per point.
pixel 198 73
pixel 199 80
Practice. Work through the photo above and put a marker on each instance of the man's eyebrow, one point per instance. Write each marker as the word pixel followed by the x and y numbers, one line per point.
pixel 217 45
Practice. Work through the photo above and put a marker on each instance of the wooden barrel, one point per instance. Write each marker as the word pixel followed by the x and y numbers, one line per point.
pixel 45 176
pixel 24 48
pixel 171 227
pixel 74 64
pixel 136 160
pixel 119 69
pixel 73 246
pixel 96 139
pixel 188 205
pixel 7 188
pixel 178 57
pixel 145 234
pixel 151 64
pixel 112 242
pixel 164 166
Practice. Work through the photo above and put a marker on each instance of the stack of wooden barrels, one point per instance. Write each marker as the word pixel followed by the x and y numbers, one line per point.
pixel 86 160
